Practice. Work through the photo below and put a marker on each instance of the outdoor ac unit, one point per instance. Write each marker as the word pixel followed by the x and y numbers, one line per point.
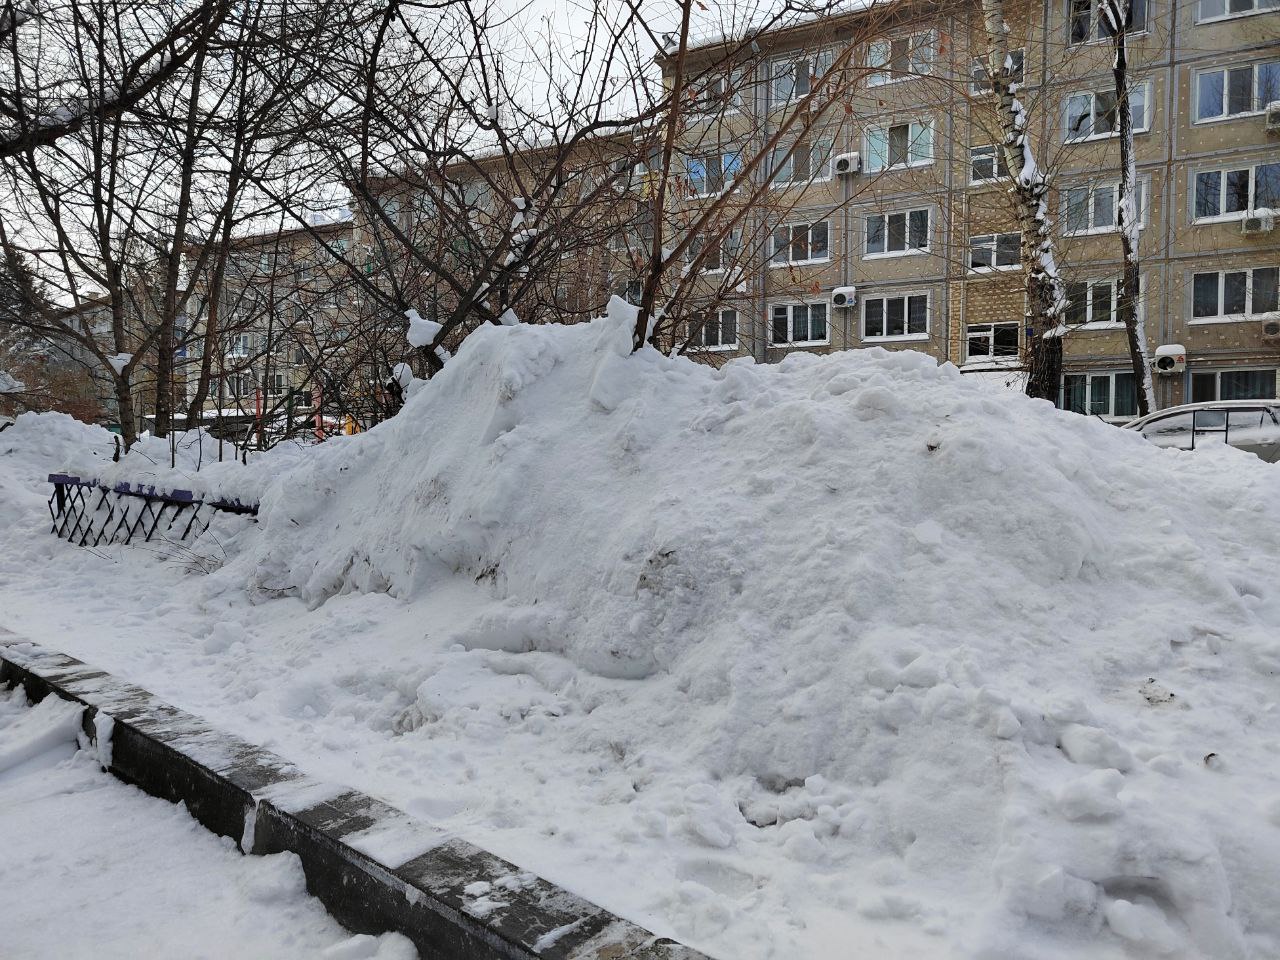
pixel 1271 117
pixel 847 164
pixel 1271 330
pixel 844 296
pixel 1170 358
pixel 1257 223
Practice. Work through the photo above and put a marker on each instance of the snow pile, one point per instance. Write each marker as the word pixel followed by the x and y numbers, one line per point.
pixel 38 444
pixel 996 677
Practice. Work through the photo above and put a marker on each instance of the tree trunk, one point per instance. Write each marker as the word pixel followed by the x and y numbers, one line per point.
pixel 1046 300
pixel 125 410
pixel 1118 13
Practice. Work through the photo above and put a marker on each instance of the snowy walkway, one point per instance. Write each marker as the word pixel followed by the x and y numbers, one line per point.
pixel 92 868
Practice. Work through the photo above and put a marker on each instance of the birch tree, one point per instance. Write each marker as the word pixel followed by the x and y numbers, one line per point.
pixel 1118 15
pixel 1046 294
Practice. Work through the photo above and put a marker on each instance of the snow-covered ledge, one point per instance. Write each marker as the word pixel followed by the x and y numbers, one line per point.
pixel 374 867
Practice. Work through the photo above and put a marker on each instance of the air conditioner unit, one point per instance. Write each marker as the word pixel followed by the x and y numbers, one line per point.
pixel 1170 358
pixel 1257 223
pixel 1271 330
pixel 1271 117
pixel 847 164
pixel 844 296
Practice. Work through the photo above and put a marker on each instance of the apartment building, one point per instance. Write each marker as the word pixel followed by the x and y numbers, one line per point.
pixel 294 352
pixel 889 222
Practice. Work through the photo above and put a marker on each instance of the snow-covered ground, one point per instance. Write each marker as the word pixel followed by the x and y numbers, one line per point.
pixel 92 869
pixel 844 656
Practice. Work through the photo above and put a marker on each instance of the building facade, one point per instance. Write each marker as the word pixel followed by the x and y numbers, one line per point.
pixel 889 222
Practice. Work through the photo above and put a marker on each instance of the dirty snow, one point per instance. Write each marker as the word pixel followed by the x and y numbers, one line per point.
pixel 844 656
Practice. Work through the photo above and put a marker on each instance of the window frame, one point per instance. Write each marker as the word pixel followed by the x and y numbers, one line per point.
pixel 869 155
pixel 1222 317
pixel 1095 22
pixel 994 267
pixel 1144 85
pixel 814 149
pixel 791 226
pixel 818 63
pixel 721 94
pixel 905 296
pixel 790 306
pixel 880 75
pixel 1144 200
pixel 1089 377
pixel 730 244
pixel 1228 15
pixel 241 345
pixel 1256 111
pixel 720 346
pixel 1089 323
pixel 992 357
pixel 997 161
pixel 908 250
pixel 980 87
pixel 721 155
pixel 1193 194
pixel 1217 382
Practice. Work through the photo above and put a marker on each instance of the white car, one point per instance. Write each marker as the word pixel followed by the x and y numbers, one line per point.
pixel 1250 425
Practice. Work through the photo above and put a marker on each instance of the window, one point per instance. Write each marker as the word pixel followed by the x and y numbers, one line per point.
pixel 718 256
pixel 711 173
pixel 987 163
pixel 901 317
pixel 241 345
pixel 1237 91
pixel 717 332
pixel 1100 394
pixel 1233 385
pixel 240 386
pixel 890 233
pixel 900 58
pixel 794 79
pixel 901 145
pixel 721 92
pixel 1234 293
pixel 809 161
pixel 1095 208
pixel 1086 22
pixel 275 385
pixel 1093 114
pixel 1232 193
pixel 1207 10
pixel 797 323
pixel 991 341
pixel 800 243
pixel 980 76
pixel 1094 301
pixel 995 251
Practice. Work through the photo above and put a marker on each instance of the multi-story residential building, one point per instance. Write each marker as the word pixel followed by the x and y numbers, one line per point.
pixel 293 350
pixel 898 191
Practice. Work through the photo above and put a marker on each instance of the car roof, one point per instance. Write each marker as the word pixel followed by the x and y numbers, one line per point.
pixel 1203 405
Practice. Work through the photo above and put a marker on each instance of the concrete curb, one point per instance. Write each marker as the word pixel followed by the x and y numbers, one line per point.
pixel 374 867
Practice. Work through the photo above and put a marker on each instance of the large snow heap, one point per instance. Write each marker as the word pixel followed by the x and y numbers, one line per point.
pixel 1025 656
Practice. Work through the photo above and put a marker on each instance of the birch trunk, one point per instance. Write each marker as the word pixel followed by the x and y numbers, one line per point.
pixel 1118 13
pixel 1046 299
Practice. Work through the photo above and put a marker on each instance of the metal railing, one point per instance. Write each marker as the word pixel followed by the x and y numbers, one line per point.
pixel 90 513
